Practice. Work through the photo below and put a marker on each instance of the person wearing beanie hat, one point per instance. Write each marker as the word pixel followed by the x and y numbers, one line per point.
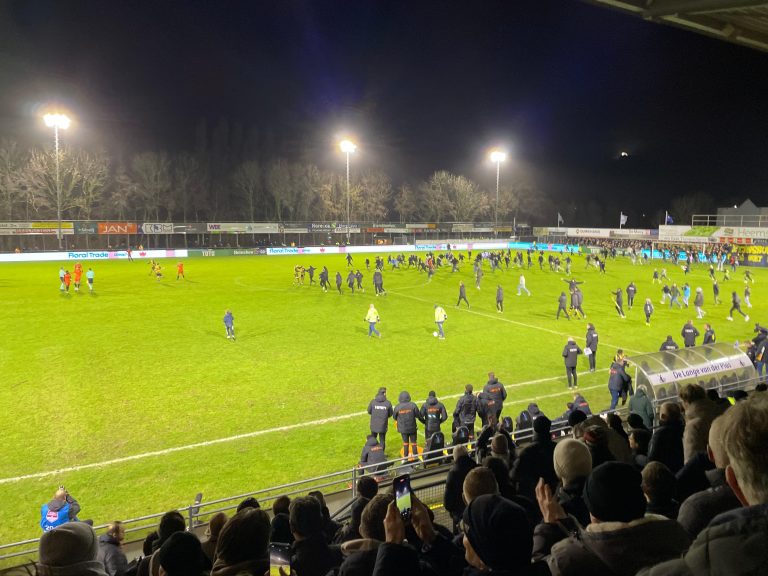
pixel 70 550
pixel 182 555
pixel 573 463
pixel 620 540
pixel 596 440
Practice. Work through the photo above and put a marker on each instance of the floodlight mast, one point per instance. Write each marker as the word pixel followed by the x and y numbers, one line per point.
pixel 57 122
pixel 498 156
pixel 348 147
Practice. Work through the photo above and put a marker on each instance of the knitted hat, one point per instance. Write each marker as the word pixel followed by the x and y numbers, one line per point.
pixel 572 460
pixel 182 555
pixel 613 493
pixel 542 425
pixel 69 549
pixel 499 532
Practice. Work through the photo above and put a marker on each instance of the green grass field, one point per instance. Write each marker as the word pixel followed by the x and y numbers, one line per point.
pixel 143 366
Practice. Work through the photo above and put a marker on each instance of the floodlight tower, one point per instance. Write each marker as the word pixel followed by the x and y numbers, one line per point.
pixel 348 147
pixel 57 122
pixel 497 156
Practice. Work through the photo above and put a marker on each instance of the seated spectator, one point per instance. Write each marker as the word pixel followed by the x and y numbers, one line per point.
pixel 243 545
pixel 454 483
pixel 534 461
pixel 170 523
pixel 699 509
pixel 659 488
pixel 69 550
pixel 360 555
pixel 215 524
pixel 641 405
pixel 639 439
pixel 249 502
pixel 507 490
pixel 636 422
pixel 667 440
pixel 111 551
pixel 596 440
pixel 148 546
pixel 573 464
pixel 479 481
pixel 330 527
pixel 280 530
pixel 699 413
pixel 182 555
pixel 311 554
pixel 619 540
pixel 734 542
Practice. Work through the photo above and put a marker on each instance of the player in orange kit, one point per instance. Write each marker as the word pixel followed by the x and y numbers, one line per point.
pixel 180 270
pixel 77 275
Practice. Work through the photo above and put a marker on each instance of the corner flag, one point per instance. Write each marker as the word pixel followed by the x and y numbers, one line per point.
pixel 668 218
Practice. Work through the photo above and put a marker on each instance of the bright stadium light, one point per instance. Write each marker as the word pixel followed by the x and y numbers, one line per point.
pixel 57 122
pixel 348 147
pixel 498 156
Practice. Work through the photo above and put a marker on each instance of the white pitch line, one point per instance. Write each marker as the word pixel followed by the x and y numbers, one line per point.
pixel 255 434
pixel 484 315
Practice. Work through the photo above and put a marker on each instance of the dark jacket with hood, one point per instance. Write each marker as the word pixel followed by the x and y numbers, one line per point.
pixel 640 404
pixel 405 414
pixel 466 409
pixel 373 452
pixel 496 391
pixel 432 414
pixel 313 557
pixel 698 510
pixel 454 485
pixel 112 556
pixel 572 501
pixel 380 410
pixel 591 339
pixel 571 353
pixel 533 462
pixel 619 379
pixel 667 445
pixel 580 403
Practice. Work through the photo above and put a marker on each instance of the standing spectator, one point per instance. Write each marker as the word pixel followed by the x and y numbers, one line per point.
pixel 699 414
pixel 215 524
pixel 170 523
pixel 659 486
pixel 639 439
pixel 360 555
pixel 404 415
pixel 667 440
pixel 648 311
pixel 243 545
pixel 110 550
pixel 698 302
pixel 71 549
pixel 440 318
pixel 280 526
pixel 641 405
pixel 465 412
pixel 432 415
pixel 311 555
pixel 454 483
pixel 591 344
pixel 570 355
pixel 372 317
pixel 535 460
pixel 330 526
pixel 573 464
pixel 709 334
pixel 380 410
pixel 499 299
pixel 734 542
pixel 462 294
pixel 61 509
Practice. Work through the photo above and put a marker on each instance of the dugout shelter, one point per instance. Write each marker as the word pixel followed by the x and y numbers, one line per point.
pixel 722 366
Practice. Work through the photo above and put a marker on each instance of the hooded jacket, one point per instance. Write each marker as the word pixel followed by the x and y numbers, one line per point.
pixel 591 339
pixel 466 409
pixel 641 405
pixel 405 414
pixel 618 378
pixel 668 344
pixel 432 414
pixel 496 391
pixel 380 410
pixel 111 555
pixel 571 353
pixel 373 452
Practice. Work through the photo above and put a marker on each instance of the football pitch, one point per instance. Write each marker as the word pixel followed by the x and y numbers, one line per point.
pixel 134 399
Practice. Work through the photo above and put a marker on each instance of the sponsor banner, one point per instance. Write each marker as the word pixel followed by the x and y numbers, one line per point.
pixel 421 226
pixel 282 251
pixel 86 228
pixel 91 255
pixel 589 232
pixel 219 227
pixel 502 229
pixel 486 230
pixel 374 230
pixel 35 228
pixel 48 225
pixel 670 233
pixel 263 228
pixel 249 251
pixel 295 230
pixel 333 227
pixel 734 240
pixel 398 231
pixel 698 371
pixel 618 232
pixel 462 227
pixel 157 228
pixel 118 228
pixel 190 228
pixel 755 255
pixel 742 232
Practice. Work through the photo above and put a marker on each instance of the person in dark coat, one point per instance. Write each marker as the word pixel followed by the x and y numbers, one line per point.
pixel 338 281
pixel 462 294
pixel 619 380
pixel 454 483
pixel 591 344
pixel 570 356
pixel 668 345
pixel 465 413
pixel 573 464
pixel 373 453
pixel 311 555
pixel 404 415
pixel 620 539
pixel 631 291
pixel 432 415
pixel 709 334
pixel 619 301
pixel 110 550
pixel 534 461
pixel 667 440
pixel 243 545
pixel 689 334
pixel 640 404
pixel 380 410
pixel 659 486
pixel 495 391
pixel 562 306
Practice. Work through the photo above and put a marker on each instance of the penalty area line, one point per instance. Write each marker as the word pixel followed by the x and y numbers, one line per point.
pixel 257 433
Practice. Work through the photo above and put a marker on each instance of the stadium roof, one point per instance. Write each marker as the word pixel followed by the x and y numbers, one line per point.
pixel 744 22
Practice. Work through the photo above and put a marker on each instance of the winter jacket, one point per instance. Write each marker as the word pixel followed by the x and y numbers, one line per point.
pixel 640 404
pixel 373 452
pixel 571 352
pixel 709 336
pixel 111 555
pixel 496 391
pixel 698 510
pixel 572 500
pixel 580 403
pixel 699 299
pixel 689 334
pixel 698 420
pixel 608 548
pixel 667 445
pixel 313 557
pixel 405 414
pixel 432 414
pixel 454 486
pixel 591 339
pixel 732 544
pixel 669 344
pixel 380 410
pixel 619 379
pixel 533 462
pixel 466 409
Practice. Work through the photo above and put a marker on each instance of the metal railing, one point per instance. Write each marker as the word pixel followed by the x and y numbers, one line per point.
pixel 735 220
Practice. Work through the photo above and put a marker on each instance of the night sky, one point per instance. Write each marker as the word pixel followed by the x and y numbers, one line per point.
pixel 422 85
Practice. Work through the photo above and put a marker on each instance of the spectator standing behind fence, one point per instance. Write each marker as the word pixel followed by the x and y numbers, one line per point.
pixel 110 550
pixel 667 440
pixel 243 544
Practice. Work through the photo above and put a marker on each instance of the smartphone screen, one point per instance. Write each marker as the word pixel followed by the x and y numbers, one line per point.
pixel 402 486
pixel 279 556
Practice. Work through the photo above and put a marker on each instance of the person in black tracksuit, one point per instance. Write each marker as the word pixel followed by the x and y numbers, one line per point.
pixel 404 415
pixel 631 291
pixel 324 281
pixel 591 343
pixel 619 301
pixel 338 281
pixel 462 294
pixel 465 412
pixel 570 355
pixel 351 281
pixel 562 304
pixel 432 415
pixel 311 271
pixel 373 453
pixel 736 305
pixel 668 345
pixel 689 334
pixel 496 394
pixel 380 410
pixel 378 282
